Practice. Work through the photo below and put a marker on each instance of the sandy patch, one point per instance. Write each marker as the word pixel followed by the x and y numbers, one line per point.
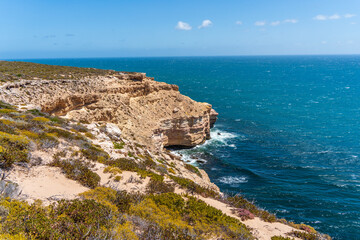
pixel 45 183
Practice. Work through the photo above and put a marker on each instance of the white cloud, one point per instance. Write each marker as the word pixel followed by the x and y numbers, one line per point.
pixel 334 17
pixel 353 23
pixel 206 23
pixel 349 15
pixel 238 22
pixel 291 21
pixel 324 17
pixel 324 42
pixel 183 26
pixel 275 23
pixel 320 17
pixel 260 23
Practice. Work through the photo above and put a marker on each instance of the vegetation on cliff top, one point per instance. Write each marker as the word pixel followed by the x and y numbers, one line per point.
pixel 104 213
pixel 12 71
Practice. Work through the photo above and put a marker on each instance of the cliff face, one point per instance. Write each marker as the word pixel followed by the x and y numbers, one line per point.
pixel 152 113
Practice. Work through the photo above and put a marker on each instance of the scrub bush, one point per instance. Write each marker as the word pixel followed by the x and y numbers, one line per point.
pixel 78 171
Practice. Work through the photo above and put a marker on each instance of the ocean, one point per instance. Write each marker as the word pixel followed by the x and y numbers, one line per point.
pixel 288 133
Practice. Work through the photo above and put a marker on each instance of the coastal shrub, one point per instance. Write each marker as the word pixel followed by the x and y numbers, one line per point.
pixel 57 120
pixel 126 231
pixel 61 133
pixel 7 111
pixel 193 169
pixel 75 219
pixel 80 128
pixel 192 217
pixel 117 178
pixel 131 165
pixel 94 153
pixel 281 238
pixel 162 169
pixel 130 154
pixel 171 171
pixel 41 119
pixel 48 140
pixel 126 164
pixel 303 235
pixel 157 187
pixel 154 231
pixel 149 162
pixel 86 217
pixel 240 202
pixel 4 105
pixel 119 145
pixel 36 112
pixel 103 195
pixel 125 200
pixel 12 237
pixel 7 126
pixel 193 188
pixel 302 226
pixel 89 135
pixel 78 171
pixel 28 134
pixel 112 170
pixel 13 148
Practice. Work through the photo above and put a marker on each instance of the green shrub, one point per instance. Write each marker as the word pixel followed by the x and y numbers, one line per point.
pixel 75 219
pixel 112 170
pixel 193 217
pixel 238 201
pixel 117 178
pixel 119 145
pixel 302 226
pixel 36 112
pixel 124 200
pixel 149 162
pixel 41 119
pixel 125 164
pixel 13 148
pixel 192 187
pixel 171 171
pixel 4 105
pixel 7 126
pixel 7 111
pixel 303 235
pixel 280 238
pixel 61 133
pixel 94 153
pixel 155 186
pixel 193 169
pixel 78 171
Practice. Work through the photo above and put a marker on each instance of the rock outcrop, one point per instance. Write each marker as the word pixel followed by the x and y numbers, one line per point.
pixel 150 112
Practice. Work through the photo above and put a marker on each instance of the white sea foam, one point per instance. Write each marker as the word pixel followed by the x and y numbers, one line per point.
pixel 218 137
pixel 233 180
pixel 221 136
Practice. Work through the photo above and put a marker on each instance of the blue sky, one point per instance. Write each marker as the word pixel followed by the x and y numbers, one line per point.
pixel 130 28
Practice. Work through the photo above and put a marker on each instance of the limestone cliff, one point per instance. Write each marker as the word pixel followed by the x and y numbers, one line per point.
pixel 150 112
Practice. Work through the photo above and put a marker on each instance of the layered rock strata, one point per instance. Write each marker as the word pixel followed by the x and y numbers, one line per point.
pixel 150 112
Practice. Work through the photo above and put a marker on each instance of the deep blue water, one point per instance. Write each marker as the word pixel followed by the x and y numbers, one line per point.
pixel 289 129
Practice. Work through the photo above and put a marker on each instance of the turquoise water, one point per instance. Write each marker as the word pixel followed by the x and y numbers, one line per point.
pixel 288 134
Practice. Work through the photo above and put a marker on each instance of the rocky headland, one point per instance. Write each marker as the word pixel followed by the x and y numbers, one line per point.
pixel 79 137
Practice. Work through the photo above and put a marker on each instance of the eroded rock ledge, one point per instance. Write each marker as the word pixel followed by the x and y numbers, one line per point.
pixel 150 112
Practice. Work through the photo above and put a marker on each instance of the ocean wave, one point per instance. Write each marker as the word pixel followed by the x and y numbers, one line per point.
pixel 232 180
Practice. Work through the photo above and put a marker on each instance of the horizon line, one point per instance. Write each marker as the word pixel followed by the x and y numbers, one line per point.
pixel 202 56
